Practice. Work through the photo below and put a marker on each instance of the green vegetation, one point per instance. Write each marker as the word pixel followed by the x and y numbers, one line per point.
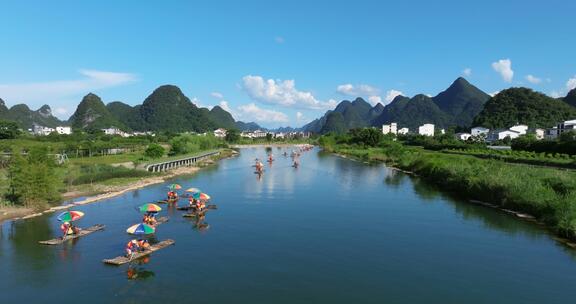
pixel 522 105
pixel 92 114
pixel 8 129
pixel 87 174
pixel 26 118
pixel 232 136
pixel 33 178
pixel 564 144
pixel 154 151
pixel 187 144
pixel 546 193
pixel 168 109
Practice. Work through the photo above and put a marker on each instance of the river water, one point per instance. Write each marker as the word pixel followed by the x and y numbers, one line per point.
pixel 331 231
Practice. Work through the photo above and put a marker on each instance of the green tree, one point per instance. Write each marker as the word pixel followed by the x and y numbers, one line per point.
pixel 268 137
pixel 154 151
pixel 34 181
pixel 8 129
pixel 232 136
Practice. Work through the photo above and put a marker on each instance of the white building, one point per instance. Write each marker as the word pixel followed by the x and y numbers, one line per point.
pixel 426 130
pixel 280 135
pixel 390 129
pixel 220 133
pixel 463 136
pixel 115 131
pixel 522 129
pixel 565 126
pixel 64 130
pixel 479 130
pixel 254 134
pixel 501 134
pixel 403 131
pixel 42 131
pixel 539 133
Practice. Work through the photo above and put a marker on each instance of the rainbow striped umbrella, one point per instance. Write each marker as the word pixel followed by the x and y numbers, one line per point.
pixel 149 208
pixel 174 187
pixel 194 190
pixel 70 216
pixel 141 229
pixel 201 196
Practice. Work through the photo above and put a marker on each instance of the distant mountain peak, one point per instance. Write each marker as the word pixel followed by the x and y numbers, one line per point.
pixel 378 106
pixel 45 111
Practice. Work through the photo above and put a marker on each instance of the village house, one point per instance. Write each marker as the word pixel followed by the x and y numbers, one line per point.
pixel 220 133
pixel 403 131
pixel 463 136
pixel 42 131
pixel 62 130
pixel 426 130
pixel 115 131
pixel 500 134
pixel 565 126
pixel 390 129
pixel 476 131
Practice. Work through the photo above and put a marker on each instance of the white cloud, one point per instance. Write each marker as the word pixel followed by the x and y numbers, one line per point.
pixel 467 72
pixel 282 93
pixel 555 94
pixel 357 90
pixel 279 39
pixel 217 95
pixel 60 111
pixel 374 100
pixel 251 112
pixel 494 93
pixel 391 94
pixel 504 68
pixel 571 84
pixel 41 92
pixel 533 79
pixel 299 116
pixel 224 105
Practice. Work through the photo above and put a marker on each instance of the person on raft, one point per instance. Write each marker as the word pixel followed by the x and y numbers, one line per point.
pixel 172 195
pixel 131 248
pixel 200 205
pixel 68 229
pixel 149 218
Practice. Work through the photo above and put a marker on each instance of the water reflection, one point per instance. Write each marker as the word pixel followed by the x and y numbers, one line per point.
pixel 135 270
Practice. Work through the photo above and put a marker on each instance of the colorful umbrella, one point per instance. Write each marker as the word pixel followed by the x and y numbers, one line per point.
pixel 69 216
pixel 194 190
pixel 141 229
pixel 201 196
pixel 150 208
pixel 174 187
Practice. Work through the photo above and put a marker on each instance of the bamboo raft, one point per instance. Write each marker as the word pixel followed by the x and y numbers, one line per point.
pixel 195 213
pixel 185 208
pixel 123 259
pixel 170 201
pixel 162 220
pixel 82 232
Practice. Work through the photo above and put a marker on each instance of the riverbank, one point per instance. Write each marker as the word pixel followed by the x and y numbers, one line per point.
pixel 545 195
pixel 105 190
pixel 280 145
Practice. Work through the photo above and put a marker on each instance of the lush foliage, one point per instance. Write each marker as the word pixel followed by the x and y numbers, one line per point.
pixel 26 118
pixel 8 129
pixel 92 173
pixel 33 178
pixel 232 136
pixel 522 105
pixel 92 114
pixel 188 143
pixel 565 144
pixel 154 151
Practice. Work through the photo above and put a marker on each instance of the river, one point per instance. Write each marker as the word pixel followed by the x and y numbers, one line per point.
pixel 332 231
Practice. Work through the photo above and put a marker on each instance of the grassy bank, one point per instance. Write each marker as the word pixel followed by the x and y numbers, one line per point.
pixel 547 194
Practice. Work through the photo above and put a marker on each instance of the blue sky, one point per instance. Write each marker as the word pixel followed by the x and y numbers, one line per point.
pixel 279 63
